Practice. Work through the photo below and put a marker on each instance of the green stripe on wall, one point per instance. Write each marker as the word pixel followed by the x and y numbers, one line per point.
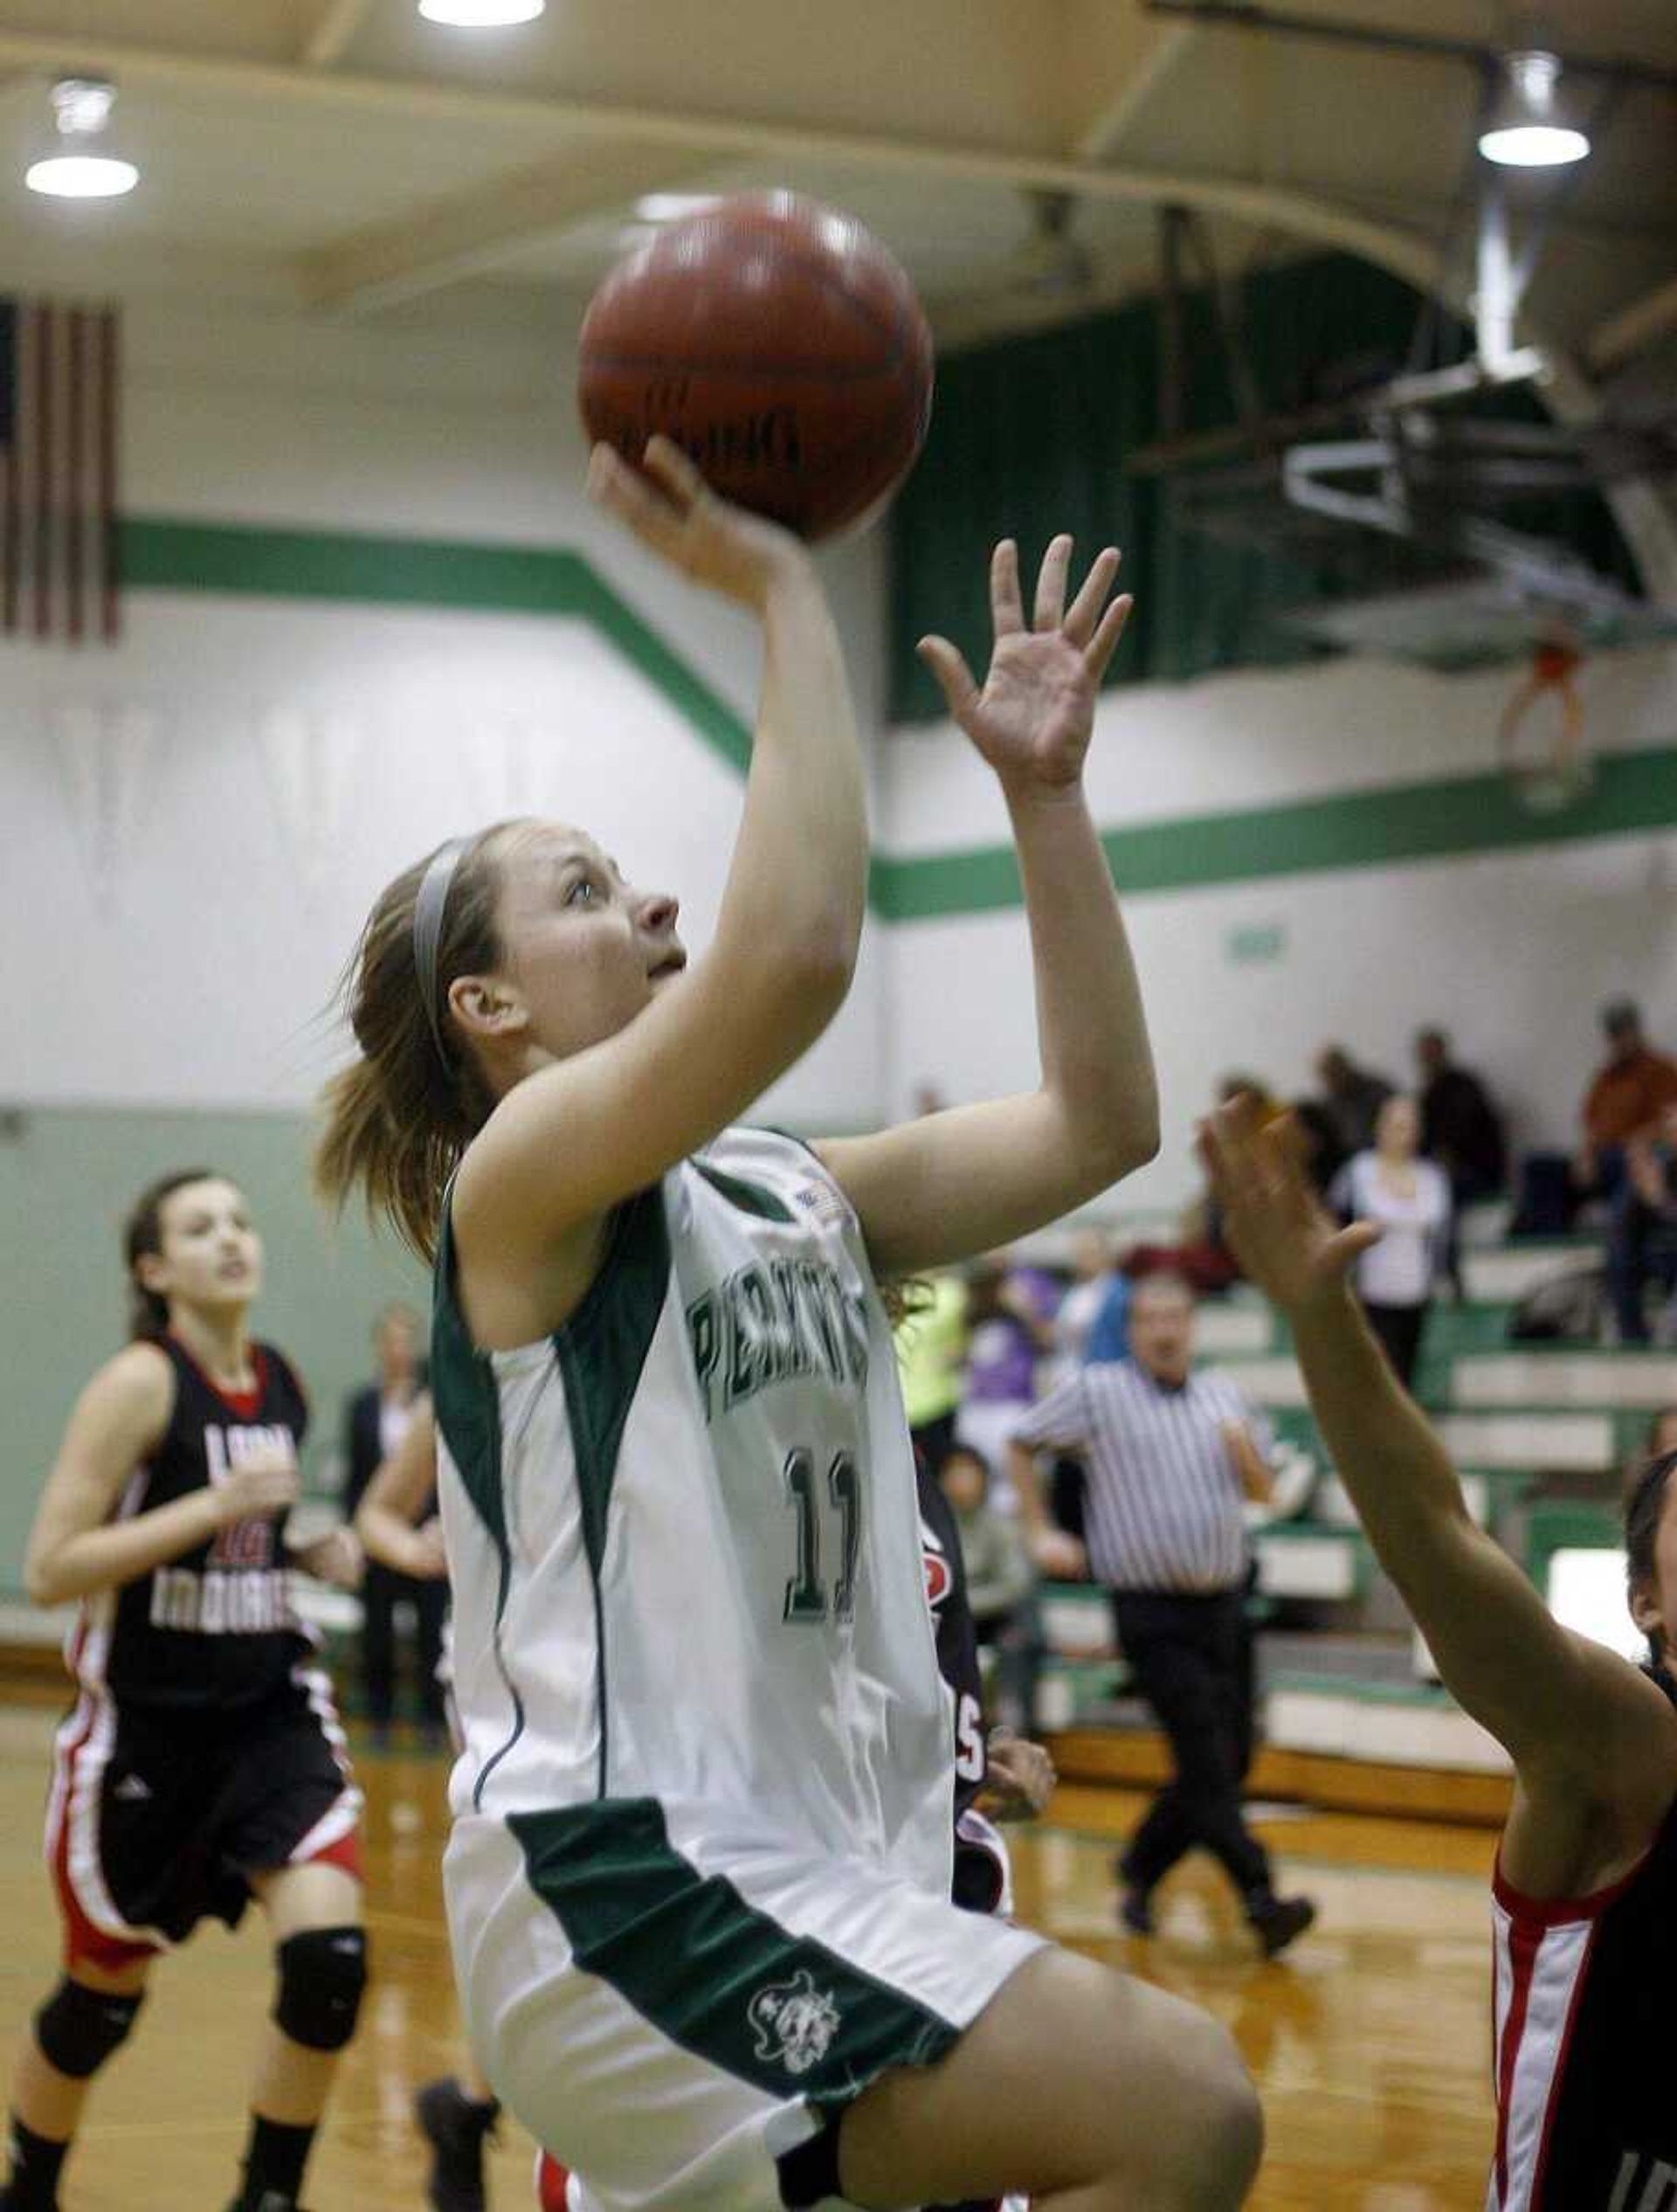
pixel 1448 816
pixel 157 554
pixel 1452 815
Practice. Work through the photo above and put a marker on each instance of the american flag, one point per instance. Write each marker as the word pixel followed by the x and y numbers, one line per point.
pixel 57 471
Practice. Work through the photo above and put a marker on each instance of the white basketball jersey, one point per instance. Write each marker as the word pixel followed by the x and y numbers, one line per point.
pixel 683 1535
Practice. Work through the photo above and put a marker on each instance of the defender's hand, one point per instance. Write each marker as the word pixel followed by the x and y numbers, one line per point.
pixel 1286 1243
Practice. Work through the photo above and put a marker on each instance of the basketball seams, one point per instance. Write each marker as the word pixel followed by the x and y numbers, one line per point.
pixel 893 327
pixel 815 372
pixel 689 343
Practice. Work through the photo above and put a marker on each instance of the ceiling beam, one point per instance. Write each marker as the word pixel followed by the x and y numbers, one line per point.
pixel 710 137
pixel 1105 132
pixel 473 232
pixel 1626 333
pixel 335 24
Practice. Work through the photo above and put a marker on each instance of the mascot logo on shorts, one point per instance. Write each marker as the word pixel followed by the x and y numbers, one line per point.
pixel 794 2022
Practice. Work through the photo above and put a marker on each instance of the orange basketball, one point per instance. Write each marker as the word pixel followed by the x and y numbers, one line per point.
pixel 777 342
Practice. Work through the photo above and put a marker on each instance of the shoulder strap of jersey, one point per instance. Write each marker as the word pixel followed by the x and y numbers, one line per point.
pixel 280 1369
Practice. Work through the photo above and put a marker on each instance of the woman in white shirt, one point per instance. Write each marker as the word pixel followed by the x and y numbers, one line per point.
pixel 1409 1199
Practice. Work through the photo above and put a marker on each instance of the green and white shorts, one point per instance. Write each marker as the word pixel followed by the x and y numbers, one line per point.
pixel 671 2022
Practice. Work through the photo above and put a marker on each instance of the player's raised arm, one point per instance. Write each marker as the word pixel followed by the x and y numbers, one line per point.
pixel 956 1183
pixel 516 995
pixel 1582 1726
pixel 74 1547
pixel 583 1134
pixel 390 1519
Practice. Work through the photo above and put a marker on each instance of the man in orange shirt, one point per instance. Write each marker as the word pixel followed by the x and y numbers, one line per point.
pixel 1623 1110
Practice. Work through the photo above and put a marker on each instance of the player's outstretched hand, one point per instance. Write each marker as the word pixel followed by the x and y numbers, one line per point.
pixel 1285 1241
pixel 668 505
pixel 1021 1777
pixel 1034 718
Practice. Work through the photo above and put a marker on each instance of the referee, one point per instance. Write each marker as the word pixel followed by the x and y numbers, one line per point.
pixel 1170 1455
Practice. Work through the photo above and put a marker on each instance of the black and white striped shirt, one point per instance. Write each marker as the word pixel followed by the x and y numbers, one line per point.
pixel 1163 1502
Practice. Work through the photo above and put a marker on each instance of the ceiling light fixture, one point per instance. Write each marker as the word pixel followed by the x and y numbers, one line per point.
pixel 673 207
pixel 1528 128
pixel 81 163
pixel 481 15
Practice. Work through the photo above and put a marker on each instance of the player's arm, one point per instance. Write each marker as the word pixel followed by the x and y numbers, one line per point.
pixel 1059 1422
pixel 1252 1470
pixel 1579 1724
pixel 388 1519
pixel 74 1548
pixel 966 1180
pixel 571 1141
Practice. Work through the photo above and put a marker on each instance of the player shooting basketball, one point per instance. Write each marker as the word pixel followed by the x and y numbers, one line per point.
pixel 699 1881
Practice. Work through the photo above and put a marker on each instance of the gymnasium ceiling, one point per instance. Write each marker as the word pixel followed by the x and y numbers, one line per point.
pixel 357 158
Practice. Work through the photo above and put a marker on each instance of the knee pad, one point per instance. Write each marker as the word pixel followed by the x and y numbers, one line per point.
pixel 79 2027
pixel 323 1973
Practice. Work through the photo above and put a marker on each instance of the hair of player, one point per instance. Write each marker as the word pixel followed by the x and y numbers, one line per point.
pixel 142 1234
pixel 396 1120
pixel 1645 1504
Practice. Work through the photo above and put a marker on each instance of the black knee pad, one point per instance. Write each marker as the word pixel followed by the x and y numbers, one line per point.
pixel 79 2027
pixel 323 1973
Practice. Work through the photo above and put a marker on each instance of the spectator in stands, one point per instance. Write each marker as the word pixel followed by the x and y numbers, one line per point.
pixel 1171 1454
pixel 931 1341
pixel 1644 1242
pixel 1409 1199
pixel 1462 1130
pixel 1000 1580
pixel 1629 1093
pixel 374 1422
pixel 1007 1336
pixel 1108 1337
pixel 1321 1155
pixel 1351 1098
pixel 1094 1279
pixel 1623 1108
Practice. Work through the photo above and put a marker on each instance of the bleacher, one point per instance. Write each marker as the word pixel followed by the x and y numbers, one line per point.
pixel 1541 1436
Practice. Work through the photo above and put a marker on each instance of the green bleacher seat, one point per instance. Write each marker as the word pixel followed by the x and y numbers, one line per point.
pixel 1536 1376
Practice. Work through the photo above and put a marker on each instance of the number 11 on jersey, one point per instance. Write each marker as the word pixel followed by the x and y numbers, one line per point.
pixel 806 1594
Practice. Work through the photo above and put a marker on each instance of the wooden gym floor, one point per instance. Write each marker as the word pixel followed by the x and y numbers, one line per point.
pixel 1368 2042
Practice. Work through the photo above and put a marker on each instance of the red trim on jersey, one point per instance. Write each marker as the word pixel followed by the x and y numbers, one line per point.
pixel 83 1942
pixel 552 2184
pixel 1560 1912
pixel 1522 1960
pixel 1559 2076
pixel 344 1851
pixel 245 1403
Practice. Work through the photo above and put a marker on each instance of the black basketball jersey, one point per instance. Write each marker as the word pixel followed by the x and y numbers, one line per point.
pixel 1586 2109
pixel 957 1642
pixel 214 1628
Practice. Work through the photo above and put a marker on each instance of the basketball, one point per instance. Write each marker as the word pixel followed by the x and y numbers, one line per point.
pixel 779 344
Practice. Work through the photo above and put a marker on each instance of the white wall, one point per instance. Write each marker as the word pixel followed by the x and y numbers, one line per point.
pixel 181 891
pixel 176 943
pixel 1512 950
